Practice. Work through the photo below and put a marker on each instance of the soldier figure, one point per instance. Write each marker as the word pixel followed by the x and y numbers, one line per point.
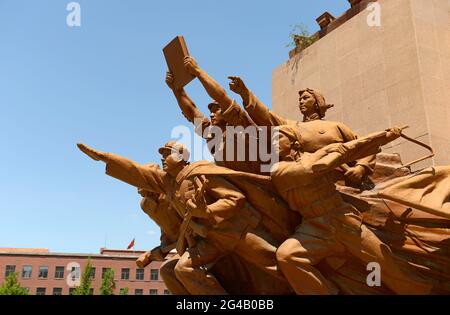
pixel 330 226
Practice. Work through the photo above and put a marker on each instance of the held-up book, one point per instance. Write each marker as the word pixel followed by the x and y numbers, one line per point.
pixel 174 53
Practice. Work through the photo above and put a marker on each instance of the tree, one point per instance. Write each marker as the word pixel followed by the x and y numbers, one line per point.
pixel 124 291
pixel 108 283
pixel 12 287
pixel 86 281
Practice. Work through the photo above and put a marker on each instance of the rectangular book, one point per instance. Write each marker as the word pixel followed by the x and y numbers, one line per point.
pixel 175 52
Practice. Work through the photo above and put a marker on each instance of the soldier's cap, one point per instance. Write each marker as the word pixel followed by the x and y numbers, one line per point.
pixel 213 106
pixel 173 146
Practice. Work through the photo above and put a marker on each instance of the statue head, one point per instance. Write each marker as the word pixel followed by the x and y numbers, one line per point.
pixel 175 156
pixel 312 104
pixel 216 116
pixel 288 143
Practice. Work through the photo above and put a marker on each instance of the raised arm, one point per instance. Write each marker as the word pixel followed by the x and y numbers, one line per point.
pixel 188 107
pixel 256 109
pixel 212 87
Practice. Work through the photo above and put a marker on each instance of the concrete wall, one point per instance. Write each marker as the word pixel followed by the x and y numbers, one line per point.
pixel 392 75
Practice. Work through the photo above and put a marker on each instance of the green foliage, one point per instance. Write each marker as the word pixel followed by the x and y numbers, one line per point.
pixel 301 36
pixel 11 286
pixel 124 291
pixel 108 283
pixel 86 281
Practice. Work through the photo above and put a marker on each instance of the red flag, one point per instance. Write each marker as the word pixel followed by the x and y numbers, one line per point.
pixel 131 244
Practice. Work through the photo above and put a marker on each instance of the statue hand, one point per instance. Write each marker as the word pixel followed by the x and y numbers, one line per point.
pixel 170 80
pixel 92 153
pixel 237 85
pixel 157 254
pixel 355 174
pixel 393 133
pixel 192 66
pixel 197 209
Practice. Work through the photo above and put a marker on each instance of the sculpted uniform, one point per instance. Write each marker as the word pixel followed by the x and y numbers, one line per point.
pixel 159 209
pixel 233 226
pixel 315 133
pixel 330 226
pixel 217 139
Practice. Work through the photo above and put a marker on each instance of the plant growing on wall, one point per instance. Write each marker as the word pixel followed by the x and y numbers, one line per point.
pixel 301 36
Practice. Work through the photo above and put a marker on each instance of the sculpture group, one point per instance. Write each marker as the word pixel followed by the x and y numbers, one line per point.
pixel 330 206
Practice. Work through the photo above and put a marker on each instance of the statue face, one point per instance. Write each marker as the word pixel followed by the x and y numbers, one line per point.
pixel 171 160
pixel 217 117
pixel 307 103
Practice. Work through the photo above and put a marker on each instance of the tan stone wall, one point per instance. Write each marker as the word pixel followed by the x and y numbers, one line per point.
pixel 396 74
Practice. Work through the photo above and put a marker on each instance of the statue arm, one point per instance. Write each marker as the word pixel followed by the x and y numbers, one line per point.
pixel 336 154
pixel 188 107
pixel 135 174
pixel 228 199
pixel 368 162
pixel 212 87
pixel 258 111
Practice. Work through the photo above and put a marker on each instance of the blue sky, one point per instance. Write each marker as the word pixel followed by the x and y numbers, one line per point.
pixel 103 84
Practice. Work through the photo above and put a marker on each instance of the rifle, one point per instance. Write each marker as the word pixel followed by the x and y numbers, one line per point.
pixel 188 225
pixel 146 258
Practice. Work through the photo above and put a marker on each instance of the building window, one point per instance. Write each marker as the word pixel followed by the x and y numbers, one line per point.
pixel 71 291
pixel 153 292
pixel 153 274
pixel 26 272
pixel 140 274
pixel 93 273
pixel 166 292
pixel 59 272
pixel 40 291
pixel 57 291
pixel 9 269
pixel 138 292
pixel 43 272
pixel 125 274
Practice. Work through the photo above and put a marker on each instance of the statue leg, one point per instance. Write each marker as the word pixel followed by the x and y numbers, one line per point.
pixel 167 272
pixel 192 269
pixel 297 257
pixel 258 248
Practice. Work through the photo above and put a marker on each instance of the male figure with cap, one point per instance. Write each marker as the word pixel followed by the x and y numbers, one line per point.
pixel 316 132
pixel 222 115
pixel 330 226
pixel 159 209
pixel 220 218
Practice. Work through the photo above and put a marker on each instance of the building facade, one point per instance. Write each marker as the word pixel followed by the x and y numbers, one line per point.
pixel 382 63
pixel 46 273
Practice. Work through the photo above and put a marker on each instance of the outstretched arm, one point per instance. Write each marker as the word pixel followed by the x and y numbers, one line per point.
pixel 146 177
pixel 336 154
